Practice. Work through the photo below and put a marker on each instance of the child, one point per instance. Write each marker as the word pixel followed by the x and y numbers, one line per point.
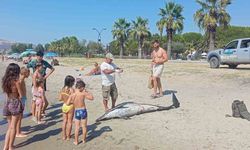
pixel 68 110
pixel 23 74
pixel 78 101
pixel 38 94
pixel 13 106
pixel 36 75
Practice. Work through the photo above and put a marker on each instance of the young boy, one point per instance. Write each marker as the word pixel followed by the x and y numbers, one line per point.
pixel 78 101
pixel 24 73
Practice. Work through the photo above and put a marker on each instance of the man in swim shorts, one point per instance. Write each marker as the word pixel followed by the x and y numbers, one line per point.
pixel 159 57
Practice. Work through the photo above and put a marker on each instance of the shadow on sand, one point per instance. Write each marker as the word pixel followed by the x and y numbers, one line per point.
pixel 39 137
pixel 235 68
pixel 26 115
pixel 55 106
pixel 169 92
pixel 53 118
pixel 94 133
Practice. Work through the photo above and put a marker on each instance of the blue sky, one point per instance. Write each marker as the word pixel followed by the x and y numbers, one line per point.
pixel 34 21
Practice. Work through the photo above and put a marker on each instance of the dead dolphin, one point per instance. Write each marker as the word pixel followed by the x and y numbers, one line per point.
pixel 128 109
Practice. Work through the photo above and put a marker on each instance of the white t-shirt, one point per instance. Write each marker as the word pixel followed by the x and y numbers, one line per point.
pixel 108 79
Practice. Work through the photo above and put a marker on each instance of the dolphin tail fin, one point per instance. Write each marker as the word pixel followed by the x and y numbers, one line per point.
pixel 176 103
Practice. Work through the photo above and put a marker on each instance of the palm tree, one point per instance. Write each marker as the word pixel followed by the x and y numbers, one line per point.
pixel 212 14
pixel 160 26
pixel 140 32
pixel 172 21
pixel 120 32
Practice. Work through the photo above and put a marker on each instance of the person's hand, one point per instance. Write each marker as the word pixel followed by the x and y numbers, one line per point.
pixel 153 62
pixel 119 70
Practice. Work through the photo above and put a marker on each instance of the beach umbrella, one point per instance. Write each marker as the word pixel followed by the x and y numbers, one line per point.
pixel 27 53
pixel 51 54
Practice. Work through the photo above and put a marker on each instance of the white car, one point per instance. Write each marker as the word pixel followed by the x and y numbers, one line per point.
pixel 14 56
pixel 234 53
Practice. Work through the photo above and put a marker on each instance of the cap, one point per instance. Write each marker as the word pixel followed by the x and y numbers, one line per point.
pixel 110 56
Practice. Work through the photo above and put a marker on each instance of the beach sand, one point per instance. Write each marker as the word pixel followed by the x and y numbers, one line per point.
pixel 205 96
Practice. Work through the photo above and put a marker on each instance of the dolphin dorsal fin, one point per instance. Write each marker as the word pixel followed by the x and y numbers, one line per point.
pixel 176 103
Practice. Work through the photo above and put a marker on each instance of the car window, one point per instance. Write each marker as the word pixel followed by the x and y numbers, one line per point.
pixel 245 43
pixel 232 45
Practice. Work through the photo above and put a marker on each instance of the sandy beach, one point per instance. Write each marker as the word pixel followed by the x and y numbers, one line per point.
pixel 199 123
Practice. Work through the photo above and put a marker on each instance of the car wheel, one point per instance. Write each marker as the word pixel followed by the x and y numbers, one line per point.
pixel 214 62
pixel 232 66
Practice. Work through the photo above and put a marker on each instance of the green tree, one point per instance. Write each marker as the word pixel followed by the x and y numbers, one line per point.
pixel 224 36
pixel 29 46
pixel 211 15
pixel 14 48
pixel 114 47
pixel 172 21
pixel 132 47
pixel 39 47
pixel 46 46
pixel 139 32
pixel 93 46
pixel 192 37
pixel 120 32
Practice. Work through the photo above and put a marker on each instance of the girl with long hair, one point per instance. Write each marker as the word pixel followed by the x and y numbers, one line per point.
pixel 13 106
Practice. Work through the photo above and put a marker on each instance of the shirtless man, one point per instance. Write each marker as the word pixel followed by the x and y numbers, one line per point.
pixel 78 101
pixel 159 57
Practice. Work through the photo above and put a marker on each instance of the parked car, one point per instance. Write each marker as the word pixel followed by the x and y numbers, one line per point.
pixel 14 56
pixel 233 54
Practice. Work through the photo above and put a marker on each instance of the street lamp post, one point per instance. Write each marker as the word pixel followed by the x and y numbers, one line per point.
pixel 99 33
pixel 99 36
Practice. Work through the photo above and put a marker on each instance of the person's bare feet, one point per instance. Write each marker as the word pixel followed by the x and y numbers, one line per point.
pixel 76 143
pixel 41 122
pixel 63 138
pixel 83 141
pixel 21 135
pixel 106 109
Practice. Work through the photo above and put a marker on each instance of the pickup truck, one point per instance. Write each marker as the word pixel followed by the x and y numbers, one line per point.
pixel 234 53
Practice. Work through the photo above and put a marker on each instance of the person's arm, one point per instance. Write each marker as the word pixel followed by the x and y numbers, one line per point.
pixel 60 96
pixel 34 77
pixel 69 101
pixel 118 69
pixel 51 70
pixel 153 60
pixel 108 71
pixel 90 73
pixel 105 69
pixel 165 57
pixel 18 85
pixel 88 95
